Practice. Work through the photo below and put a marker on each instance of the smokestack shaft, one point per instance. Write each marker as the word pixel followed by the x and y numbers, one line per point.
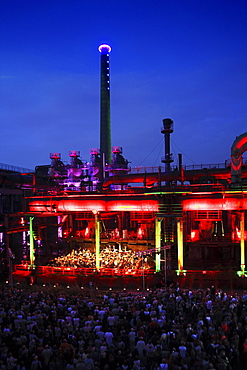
pixel 105 118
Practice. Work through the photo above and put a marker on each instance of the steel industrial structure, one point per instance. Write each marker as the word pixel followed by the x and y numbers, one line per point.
pixel 189 219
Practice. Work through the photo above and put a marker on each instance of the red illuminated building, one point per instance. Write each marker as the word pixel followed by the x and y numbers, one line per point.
pixel 189 220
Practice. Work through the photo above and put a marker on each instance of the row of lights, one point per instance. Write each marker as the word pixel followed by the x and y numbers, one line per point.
pixel 68 286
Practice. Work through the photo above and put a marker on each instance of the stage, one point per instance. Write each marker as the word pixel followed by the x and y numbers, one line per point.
pixel 126 279
pixel 110 278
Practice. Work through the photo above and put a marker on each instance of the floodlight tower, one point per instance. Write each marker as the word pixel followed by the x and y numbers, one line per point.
pixel 105 119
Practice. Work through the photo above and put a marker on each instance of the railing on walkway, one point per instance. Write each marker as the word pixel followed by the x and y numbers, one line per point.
pixel 9 167
pixel 155 169
pixel 82 271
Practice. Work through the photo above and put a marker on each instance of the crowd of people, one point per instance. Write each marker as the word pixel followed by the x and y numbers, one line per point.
pixel 110 257
pixel 163 328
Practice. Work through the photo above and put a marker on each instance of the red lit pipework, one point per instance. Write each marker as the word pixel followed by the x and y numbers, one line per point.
pixel 47 205
pixel 239 146
pixel 215 204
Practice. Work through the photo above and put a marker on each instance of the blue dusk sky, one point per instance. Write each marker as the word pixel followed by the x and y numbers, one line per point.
pixel 179 59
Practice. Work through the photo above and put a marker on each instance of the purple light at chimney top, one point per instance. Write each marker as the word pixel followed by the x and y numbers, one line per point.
pixel 104 48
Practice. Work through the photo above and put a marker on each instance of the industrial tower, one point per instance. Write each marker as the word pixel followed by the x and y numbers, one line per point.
pixel 105 119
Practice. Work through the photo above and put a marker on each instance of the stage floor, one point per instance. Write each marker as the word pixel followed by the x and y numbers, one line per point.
pixel 86 277
pixel 119 279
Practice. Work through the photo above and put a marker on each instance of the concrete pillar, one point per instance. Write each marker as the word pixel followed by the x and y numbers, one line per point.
pixel 242 243
pixel 157 243
pixel 180 245
pixel 31 250
pixel 97 241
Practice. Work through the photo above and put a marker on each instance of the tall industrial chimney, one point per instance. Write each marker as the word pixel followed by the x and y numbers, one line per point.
pixel 167 129
pixel 105 118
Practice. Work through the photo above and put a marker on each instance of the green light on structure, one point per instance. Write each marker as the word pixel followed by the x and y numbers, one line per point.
pixel 32 250
pixel 97 240
pixel 242 273
pixel 181 272
pixel 157 243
